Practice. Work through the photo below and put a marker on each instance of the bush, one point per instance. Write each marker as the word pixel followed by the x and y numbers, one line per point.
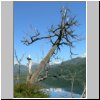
pixel 26 91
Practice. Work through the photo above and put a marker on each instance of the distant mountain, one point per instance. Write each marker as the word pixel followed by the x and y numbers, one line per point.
pixel 61 73
pixel 23 69
pixel 74 61
pixel 77 65
pixel 56 73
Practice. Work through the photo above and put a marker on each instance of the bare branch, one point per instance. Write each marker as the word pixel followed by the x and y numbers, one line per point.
pixel 67 39
pixel 41 77
pixel 35 38
pixel 16 57
pixel 67 44
pixel 51 41
pixel 71 22
pixel 71 53
pixel 84 92
pixel 69 32
pixel 54 30
pixel 21 58
pixel 35 35
pixel 78 39
pixel 62 32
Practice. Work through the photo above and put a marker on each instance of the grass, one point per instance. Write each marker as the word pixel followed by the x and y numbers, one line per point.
pixel 23 90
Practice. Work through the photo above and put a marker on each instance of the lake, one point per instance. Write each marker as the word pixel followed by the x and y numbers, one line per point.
pixel 60 93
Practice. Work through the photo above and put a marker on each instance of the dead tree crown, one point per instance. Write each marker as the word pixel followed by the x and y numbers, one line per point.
pixel 64 35
pixel 63 32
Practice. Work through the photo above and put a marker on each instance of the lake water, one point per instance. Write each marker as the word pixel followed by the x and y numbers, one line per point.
pixel 60 93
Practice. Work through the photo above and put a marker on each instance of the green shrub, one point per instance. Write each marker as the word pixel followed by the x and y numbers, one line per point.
pixel 26 91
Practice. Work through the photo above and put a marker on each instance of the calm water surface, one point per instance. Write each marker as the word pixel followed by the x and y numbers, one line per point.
pixel 60 93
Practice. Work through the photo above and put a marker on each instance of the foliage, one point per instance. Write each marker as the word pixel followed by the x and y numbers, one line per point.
pixel 26 91
pixel 77 65
pixel 61 74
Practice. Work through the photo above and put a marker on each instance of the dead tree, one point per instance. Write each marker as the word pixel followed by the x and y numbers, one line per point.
pixel 29 68
pixel 72 84
pixel 19 64
pixel 84 92
pixel 64 35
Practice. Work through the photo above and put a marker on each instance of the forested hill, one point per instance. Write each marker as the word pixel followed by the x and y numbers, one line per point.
pixel 77 65
pixel 78 60
pixel 59 75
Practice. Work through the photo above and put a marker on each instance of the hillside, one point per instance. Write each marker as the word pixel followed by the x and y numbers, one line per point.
pixel 59 74
pixel 23 72
pixel 23 69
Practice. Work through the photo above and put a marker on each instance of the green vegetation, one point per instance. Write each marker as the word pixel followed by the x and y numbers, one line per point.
pixel 65 71
pixel 26 91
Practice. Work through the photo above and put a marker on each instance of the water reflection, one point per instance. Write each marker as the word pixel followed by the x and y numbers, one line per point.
pixel 60 93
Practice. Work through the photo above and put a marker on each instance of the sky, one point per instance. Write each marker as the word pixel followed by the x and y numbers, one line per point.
pixel 41 15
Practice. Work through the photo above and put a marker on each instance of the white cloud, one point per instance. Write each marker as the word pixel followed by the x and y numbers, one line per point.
pixel 83 55
pixel 29 56
pixel 16 62
pixel 55 62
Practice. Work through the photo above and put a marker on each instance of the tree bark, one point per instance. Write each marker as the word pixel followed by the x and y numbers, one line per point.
pixel 19 73
pixel 43 63
pixel 84 93
pixel 72 84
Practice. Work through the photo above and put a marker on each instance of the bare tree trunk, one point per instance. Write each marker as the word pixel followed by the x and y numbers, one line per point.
pixel 29 70
pixel 46 60
pixel 19 65
pixel 19 74
pixel 84 93
pixel 42 65
pixel 72 84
